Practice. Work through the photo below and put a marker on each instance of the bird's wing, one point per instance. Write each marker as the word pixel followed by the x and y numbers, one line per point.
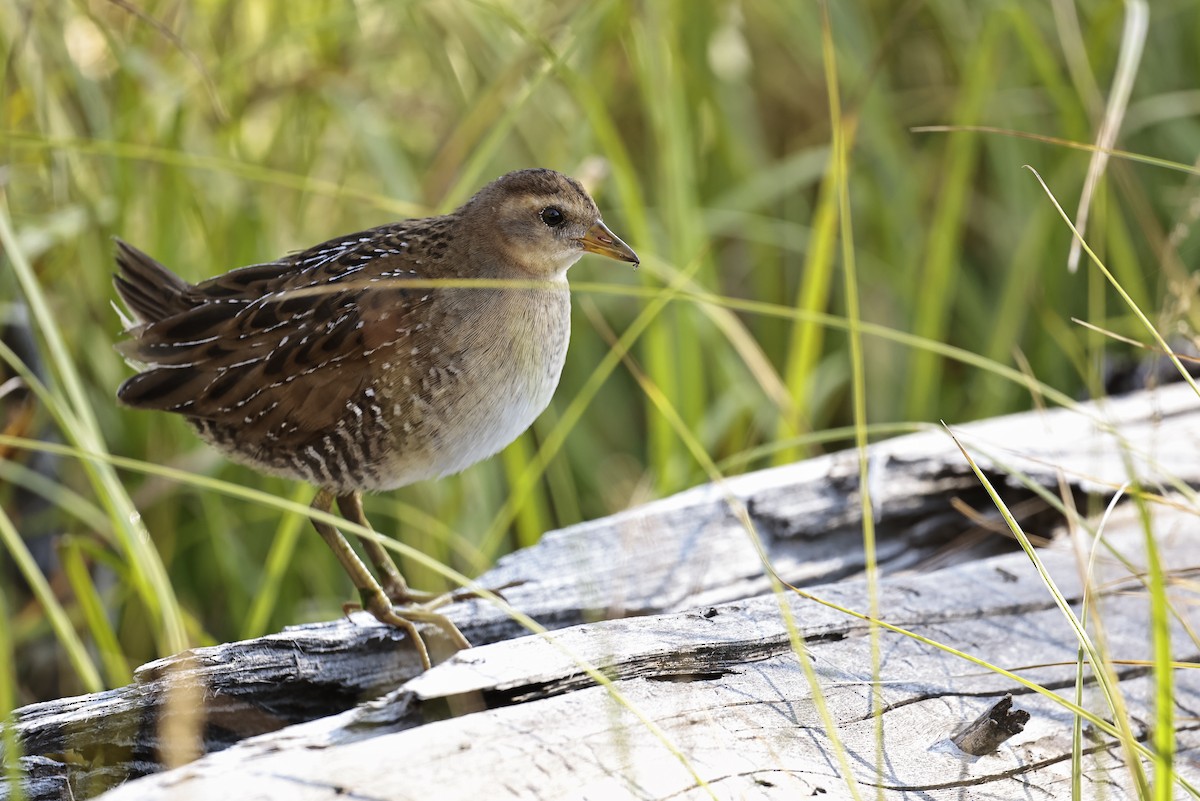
pixel 286 345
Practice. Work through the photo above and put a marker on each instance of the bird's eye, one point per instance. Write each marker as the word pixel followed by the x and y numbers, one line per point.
pixel 553 217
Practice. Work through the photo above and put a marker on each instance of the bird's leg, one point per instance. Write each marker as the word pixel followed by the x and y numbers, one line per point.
pixel 390 577
pixel 393 582
pixel 415 606
pixel 373 598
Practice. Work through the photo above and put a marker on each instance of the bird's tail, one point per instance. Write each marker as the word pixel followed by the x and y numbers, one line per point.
pixel 150 291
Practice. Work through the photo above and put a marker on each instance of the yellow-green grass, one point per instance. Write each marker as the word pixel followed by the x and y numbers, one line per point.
pixel 817 273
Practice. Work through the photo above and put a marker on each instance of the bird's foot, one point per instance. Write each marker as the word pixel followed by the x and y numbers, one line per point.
pixel 402 595
pixel 466 594
pixel 406 617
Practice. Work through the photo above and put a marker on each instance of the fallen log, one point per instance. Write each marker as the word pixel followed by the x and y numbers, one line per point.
pixel 701 656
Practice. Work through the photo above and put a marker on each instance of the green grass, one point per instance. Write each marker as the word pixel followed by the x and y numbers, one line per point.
pixel 707 132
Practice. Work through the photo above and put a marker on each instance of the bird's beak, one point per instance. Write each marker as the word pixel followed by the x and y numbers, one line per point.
pixel 600 240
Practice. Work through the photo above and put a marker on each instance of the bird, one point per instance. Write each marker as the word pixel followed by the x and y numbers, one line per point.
pixel 374 360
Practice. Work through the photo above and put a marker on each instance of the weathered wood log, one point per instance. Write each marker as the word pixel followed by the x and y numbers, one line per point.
pixel 695 640
pixel 716 697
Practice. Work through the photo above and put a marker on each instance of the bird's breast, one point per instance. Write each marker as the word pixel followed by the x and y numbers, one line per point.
pixel 467 391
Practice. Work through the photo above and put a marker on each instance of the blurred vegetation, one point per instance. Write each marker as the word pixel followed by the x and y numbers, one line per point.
pixel 215 134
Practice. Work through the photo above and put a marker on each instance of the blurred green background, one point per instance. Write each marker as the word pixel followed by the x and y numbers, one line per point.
pixel 215 134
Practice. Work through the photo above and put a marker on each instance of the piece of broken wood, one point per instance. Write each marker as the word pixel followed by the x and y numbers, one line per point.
pixel 985 734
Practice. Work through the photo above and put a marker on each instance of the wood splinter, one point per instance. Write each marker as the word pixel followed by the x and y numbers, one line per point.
pixel 993 727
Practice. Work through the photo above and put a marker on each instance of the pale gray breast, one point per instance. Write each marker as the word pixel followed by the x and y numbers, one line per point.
pixel 512 365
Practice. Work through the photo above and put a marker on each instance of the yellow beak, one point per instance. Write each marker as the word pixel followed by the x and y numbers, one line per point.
pixel 604 242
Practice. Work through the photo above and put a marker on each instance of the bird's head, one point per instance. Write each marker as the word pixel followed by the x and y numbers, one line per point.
pixel 541 221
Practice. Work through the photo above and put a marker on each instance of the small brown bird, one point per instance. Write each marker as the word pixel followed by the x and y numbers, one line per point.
pixel 349 367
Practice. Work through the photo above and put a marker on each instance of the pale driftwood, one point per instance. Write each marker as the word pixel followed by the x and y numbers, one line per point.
pixel 520 719
pixel 997 724
pixel 714 672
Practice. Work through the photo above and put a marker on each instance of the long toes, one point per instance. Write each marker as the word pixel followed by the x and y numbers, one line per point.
pixel 441 621
pixel 406 617
pixel 406 596
pixel 466 594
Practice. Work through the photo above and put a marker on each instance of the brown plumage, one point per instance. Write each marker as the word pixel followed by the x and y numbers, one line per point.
pixel 347 366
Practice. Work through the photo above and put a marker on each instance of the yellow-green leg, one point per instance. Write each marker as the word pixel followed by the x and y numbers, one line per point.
pixel 390 578
pixel 374 600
